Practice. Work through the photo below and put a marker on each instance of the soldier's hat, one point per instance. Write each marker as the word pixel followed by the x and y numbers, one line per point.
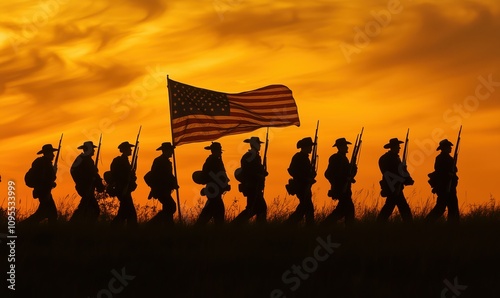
pixel 253 140
pixel 444 143
pixel 165 146
pixel 47 148
pixel 125 145
pixel 215 146
pixel 305 142
pixel 86 145
pixel 341 141
pixel 393 143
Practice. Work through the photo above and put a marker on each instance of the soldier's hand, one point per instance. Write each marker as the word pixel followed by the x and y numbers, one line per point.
pixel 99 187
pixel 409 181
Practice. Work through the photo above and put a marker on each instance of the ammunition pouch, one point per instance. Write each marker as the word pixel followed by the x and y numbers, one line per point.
pixel 385 189
pixel 291 187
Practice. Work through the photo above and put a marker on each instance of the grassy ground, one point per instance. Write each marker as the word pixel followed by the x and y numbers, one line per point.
pixel 366 260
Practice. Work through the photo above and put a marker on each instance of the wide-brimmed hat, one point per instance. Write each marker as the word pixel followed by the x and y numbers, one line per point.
pixel 341 141
pixel 86 145
pixel 444 143
pixel 253 140
pixel 166 146
pixel 47 148
pixel 305 142
pixel 125 145
pixel 394 142
pixel 215 146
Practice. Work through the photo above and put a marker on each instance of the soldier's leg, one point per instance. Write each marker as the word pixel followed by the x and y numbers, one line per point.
pixel 219 212
pixel 260 209
pixel 439 209
pixel 300 211
pixel 453 213
pixel 48 208
pixel 205 214
pixel 246 214
pixel 404 209
pixel 94 209
pixel 131 214
pixel 349 211
pixel 309 207
pixel 387 209
pixel 121 215
pixel 36 217
pixel 336 214
pixel 169 207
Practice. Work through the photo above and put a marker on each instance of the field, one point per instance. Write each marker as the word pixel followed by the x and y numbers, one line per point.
pixel 273 260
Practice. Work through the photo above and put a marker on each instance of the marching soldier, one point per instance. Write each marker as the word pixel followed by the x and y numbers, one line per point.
pixel 87 180
pixel 394 177
pixel 444 181
pixel 303 175
pixel 216 183
pixel 43 176
pixel 123 184
pixel 340 177
pixel 252 176
pixel 162 183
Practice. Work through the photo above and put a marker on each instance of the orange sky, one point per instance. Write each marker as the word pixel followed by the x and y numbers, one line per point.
pixel 82 68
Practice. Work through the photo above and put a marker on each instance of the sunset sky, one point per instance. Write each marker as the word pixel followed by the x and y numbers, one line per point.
pixel 82 68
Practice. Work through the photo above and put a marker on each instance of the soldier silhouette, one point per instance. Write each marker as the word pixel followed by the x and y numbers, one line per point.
pixel 394 177
pixel 123 184
pixel 44 179
pixel 444 181
pixel 216 183
pixel 303 176
pixel 340 177
pixel 162 183
pixel 87 180
pixel 252 176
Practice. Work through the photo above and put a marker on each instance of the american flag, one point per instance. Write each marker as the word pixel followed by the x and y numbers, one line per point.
pixel 200 115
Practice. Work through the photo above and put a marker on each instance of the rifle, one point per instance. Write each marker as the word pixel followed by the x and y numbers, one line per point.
pixel 455 158
pixel 133 163
pixel 56 160
pixel 403 170
pixel 264 160
pixel 92 185
pixel 354 159
pixel 405 150
pixel 98 152
pixel 314 157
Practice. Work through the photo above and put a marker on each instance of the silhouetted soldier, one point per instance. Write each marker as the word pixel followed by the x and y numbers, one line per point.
pixel 124 181
pixel 45 179
pixel 162 183
pixel 340 177
pixel 87 180
pixel 252 176
pixel 303 176
pixel 394 177
pixel 444 181
pixel 217 181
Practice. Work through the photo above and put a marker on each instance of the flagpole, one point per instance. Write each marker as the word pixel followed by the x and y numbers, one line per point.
pixel 173 154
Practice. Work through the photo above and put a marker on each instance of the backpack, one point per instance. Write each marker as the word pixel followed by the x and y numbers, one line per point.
pixel 30 178
pixel 150 179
